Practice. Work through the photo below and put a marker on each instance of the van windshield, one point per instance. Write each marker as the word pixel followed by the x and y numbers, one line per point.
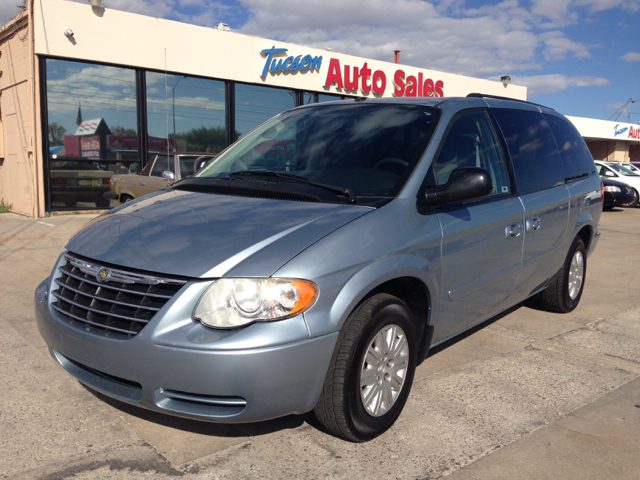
pixel 370 150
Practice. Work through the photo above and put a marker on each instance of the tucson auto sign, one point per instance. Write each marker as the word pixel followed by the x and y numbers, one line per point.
pixel 356 79
pixel 634 132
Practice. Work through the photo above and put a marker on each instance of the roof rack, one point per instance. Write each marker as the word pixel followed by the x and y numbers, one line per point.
pixel 498 97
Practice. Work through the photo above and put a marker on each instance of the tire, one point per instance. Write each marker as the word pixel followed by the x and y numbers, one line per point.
pixel 359 401
pixel 635 201
pixel 103 203
pixel 125 198
pixel 563 295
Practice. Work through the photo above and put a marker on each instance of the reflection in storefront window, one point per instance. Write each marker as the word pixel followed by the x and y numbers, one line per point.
pixel 91 111
pixel 312 97
pixel 255 104
pixel 189 111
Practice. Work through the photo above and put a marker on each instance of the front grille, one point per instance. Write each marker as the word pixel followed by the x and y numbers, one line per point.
pixel 105 299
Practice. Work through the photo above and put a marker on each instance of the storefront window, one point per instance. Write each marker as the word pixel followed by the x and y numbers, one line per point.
pixel 189 112
pixel 92 120
pixel 312 97
pixel 255 104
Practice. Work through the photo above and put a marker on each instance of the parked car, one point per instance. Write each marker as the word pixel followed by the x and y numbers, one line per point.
pixel 381 228
pixel 616 194
pixel 73 180
pixel 628 165
pixel 622 174
pixel 158 173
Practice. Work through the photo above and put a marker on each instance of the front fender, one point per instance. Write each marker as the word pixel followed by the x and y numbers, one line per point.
pixel 331 311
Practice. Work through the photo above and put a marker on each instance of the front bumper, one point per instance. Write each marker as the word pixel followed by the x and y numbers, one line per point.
pixel 196 378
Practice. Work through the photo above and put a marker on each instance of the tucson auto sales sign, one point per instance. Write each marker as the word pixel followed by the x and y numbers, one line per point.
pixel 634 132
pixel 352 79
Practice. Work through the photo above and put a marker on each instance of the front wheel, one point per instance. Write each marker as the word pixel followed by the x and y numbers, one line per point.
pixel 564 293
pixel 371 370
pixel 635 201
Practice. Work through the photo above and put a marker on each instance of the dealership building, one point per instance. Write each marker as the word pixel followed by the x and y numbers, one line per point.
pixel 88 92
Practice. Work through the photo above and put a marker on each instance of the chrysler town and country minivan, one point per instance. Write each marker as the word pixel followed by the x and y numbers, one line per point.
pixel 312 264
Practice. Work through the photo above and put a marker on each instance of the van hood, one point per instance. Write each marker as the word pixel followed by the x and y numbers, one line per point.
pixel 206 235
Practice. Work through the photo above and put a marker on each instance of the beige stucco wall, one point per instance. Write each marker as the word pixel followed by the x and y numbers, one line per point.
pixel 18 167
pixel 609 150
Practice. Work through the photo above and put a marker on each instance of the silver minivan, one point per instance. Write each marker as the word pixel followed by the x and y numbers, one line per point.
pixel 314 262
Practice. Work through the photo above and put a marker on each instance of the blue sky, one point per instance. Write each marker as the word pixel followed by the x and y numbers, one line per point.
pixel 581 57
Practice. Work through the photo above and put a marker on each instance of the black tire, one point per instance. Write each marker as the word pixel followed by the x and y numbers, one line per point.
pixel 635 201
pixel 125 198
pixel 103 203
pixel 563 294
pixel 341 409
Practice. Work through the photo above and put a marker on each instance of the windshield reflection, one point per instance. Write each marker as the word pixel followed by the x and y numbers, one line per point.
pixel 369 149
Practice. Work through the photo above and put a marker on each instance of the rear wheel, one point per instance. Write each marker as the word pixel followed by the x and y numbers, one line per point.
pixel 563 295
pixel 371 370
pixel 125 198
pixel 103 203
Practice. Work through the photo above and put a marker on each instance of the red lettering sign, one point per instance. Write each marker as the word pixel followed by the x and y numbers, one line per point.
pixel 403 86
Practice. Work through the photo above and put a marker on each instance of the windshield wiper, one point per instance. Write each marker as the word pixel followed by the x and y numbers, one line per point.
pixel 351 196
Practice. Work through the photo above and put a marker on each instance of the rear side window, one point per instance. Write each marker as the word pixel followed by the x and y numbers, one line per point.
pixel 533 150
pixel 576 158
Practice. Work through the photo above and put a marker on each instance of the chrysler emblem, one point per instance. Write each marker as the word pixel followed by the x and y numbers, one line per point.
pixel 103 274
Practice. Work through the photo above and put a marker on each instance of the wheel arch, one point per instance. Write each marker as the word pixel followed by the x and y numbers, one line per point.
pixel 415 294
pixel 406 277
pixel 585 228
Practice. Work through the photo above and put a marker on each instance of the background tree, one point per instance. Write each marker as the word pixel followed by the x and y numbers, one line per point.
pixel 123 132
pixel 206 139
pixel 56 134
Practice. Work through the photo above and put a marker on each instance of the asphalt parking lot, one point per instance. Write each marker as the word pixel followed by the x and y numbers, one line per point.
pixel 528 395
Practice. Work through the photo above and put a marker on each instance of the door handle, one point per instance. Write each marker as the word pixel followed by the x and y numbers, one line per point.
pixel 142 184
pixel 532 224
pixel 514 230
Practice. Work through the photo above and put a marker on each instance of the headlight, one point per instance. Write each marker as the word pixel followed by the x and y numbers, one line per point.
pixel 234 302
pixel 612 189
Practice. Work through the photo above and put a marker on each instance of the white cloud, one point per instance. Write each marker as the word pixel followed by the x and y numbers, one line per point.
pixel 600 5
pixel 631 57
pixel 480 42
pixel 542 84
pixel 557 11
pixel 557 46
pixel 157 8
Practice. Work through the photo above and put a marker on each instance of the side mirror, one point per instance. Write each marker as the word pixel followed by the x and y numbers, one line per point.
pixel 201 162
pixel 609 173
pixel 464 183
pixel 168 175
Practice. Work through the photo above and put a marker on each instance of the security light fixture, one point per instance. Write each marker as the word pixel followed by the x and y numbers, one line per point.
pixel 68 33
pixel 505 80
pixel 95 3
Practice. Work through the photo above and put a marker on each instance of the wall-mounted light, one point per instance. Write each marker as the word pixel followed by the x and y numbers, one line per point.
pixel 95 3
pixel 68 33
pixel 505 80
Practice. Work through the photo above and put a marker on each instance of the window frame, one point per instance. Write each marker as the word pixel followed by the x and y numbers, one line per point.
pixel 430 179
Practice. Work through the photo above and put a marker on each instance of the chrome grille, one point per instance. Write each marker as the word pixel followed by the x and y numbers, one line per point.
pixel 105 299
